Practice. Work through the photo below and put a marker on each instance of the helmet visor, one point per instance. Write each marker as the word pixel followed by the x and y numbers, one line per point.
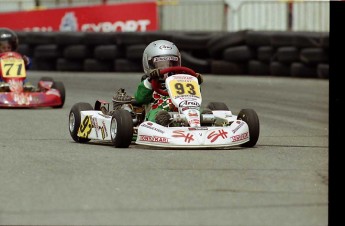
pixel 161 62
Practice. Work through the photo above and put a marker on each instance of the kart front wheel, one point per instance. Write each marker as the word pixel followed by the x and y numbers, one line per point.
pixel 75 120
pixel 121 128
pixel 252 120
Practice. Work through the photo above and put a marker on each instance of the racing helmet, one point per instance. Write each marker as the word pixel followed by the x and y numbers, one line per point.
pixel 8 38
pixel 161 54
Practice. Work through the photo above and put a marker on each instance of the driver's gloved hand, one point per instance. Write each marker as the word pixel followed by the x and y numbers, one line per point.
pixel 154 74
pixel 26 59
pixel 199 77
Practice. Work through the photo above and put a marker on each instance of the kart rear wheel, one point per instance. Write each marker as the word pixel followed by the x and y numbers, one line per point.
pixel 60 86
pixel 217 106
pixel 121 128
pixel 75 119
pixel 252 119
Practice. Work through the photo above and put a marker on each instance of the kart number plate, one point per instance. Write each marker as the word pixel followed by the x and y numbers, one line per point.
pixel 182 88
pixel 12 68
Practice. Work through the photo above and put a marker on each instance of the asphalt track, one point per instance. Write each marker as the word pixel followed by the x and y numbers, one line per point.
pixel 47 178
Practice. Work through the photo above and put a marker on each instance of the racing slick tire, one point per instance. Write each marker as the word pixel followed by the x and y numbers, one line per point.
pixel 217 106
pixel 121 128
pixel 252 119
pixel 75 120
pixel 60 86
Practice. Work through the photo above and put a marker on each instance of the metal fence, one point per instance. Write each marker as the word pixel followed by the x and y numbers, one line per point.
pixel 214 15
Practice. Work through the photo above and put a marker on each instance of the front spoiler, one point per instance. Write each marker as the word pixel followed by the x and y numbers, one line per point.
pixel 152 134
pixel 50 98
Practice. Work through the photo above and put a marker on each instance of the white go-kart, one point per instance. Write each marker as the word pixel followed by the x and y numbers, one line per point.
pixel 187 127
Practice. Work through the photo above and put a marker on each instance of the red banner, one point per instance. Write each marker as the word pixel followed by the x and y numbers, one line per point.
pixel 98 18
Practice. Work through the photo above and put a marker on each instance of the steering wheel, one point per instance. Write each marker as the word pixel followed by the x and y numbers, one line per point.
pixel 157 86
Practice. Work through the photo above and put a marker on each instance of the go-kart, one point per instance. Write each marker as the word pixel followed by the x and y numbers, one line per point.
pixel 188 126
pixel 16 93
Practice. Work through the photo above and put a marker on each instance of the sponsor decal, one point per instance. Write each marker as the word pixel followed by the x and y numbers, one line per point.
pixel 239 126
pixel 85 127
pixel 154 139
pixel 128 25
pixel 165 58
pixel 192 114
pixel 104 130
pixel 69 22
pixel 95 125
pixel 22 98
pixel 140 16
pixel 239 137
pixel 153 128
pixel 197 128
pixel 194 121
pixel 214 135
pixel 180 133
pixel 165 47
pixel 188 103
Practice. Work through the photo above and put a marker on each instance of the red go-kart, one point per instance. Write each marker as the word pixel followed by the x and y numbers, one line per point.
pixel 15 93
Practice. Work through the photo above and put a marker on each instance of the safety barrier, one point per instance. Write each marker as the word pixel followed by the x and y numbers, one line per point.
pixel 214 15
pixel 246 52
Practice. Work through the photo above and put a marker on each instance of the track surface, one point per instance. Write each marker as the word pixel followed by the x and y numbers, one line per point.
pixel 46 178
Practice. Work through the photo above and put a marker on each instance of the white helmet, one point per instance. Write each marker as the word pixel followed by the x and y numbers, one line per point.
pixel 160 54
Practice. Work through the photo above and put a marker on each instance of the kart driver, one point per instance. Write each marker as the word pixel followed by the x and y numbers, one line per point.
pixel 158 55
pixel 9 43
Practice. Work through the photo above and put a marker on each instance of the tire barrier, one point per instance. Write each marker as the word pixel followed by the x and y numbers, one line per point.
pixel 247 52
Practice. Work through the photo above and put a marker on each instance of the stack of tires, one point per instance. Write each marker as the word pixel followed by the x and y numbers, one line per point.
pixel 276 53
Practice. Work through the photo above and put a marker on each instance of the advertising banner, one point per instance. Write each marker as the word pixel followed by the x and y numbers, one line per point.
pixel 97 18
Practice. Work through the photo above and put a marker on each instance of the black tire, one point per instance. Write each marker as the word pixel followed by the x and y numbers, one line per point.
pixel 48 51
pixel 222 67
pixel 63 64
pixel 301 70
pixel 252 119
pixel 91 64
pixel 266 54
pixel 287 54
pixel 74 120
pixel 217 106
pixel 135 52
pixel 60 86
pixel 256 67
pixel 279 69
pixel 238 54
pixel 77 52
pixel 323 71
pixel 121 128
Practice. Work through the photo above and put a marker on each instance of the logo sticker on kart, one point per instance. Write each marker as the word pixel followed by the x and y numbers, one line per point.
pixel 239 137
pixel 188 103
pixel 213 136
pixel 104 130
pixel 154 139
pixel 180 133
pixel 85 127
pixel 151 127
pixel 239 126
